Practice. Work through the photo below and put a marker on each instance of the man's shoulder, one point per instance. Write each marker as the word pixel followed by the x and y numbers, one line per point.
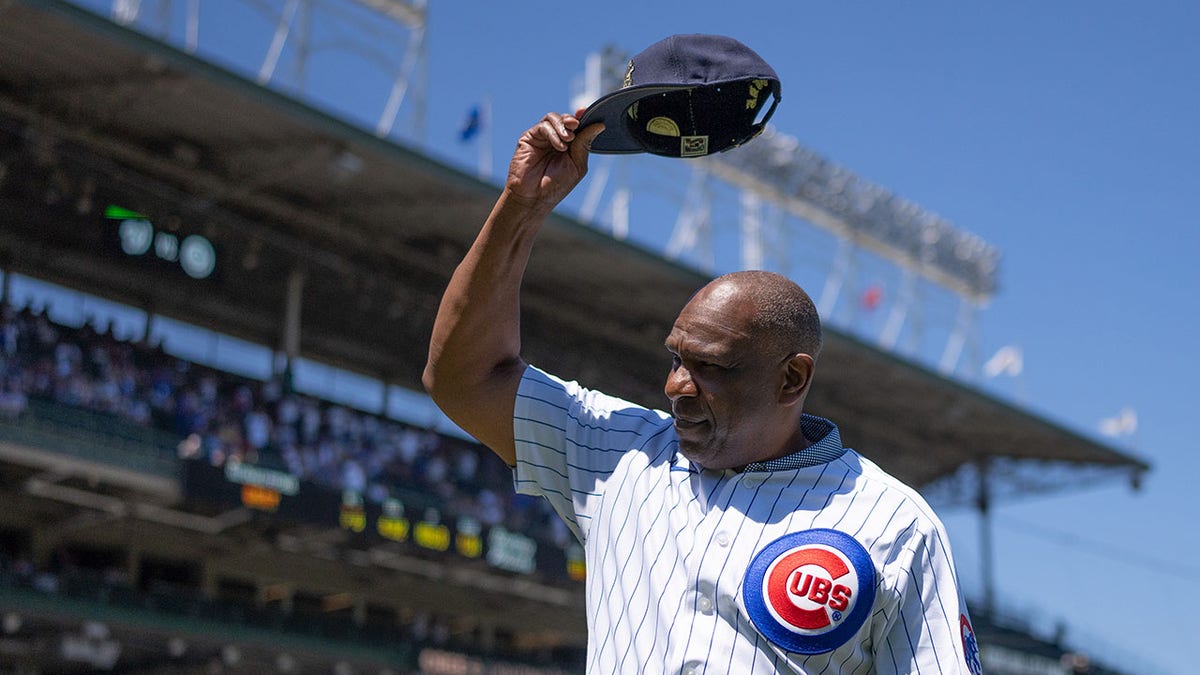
pixel 902 496
pixel 554 411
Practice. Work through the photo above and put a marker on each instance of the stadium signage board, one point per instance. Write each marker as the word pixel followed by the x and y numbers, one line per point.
pixel 276 494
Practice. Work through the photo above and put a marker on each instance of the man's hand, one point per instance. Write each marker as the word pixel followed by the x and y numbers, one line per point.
pixel 550 160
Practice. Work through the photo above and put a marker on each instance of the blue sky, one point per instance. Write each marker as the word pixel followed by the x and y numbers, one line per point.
pixel 1063 133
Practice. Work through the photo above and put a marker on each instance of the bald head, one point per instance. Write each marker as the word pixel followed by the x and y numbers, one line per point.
pixel 783 314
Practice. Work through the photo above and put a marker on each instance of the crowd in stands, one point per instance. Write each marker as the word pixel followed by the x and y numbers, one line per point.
pixel 220 417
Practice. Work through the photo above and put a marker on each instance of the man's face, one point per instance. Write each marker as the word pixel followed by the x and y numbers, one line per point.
pixel 724 383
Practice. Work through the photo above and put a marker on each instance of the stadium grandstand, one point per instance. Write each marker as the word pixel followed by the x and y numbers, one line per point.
pixel 213 456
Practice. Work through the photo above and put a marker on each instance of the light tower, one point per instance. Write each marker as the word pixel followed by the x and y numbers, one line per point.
pixel 777 169
pixel 385 35
pixel 779 182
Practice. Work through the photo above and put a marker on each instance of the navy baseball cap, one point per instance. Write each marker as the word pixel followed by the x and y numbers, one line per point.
pixel 687 96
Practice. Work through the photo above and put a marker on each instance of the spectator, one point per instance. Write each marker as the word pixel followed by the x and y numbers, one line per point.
pixel 218 416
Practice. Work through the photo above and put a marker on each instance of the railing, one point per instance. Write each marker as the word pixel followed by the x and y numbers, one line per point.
pixel 94 436
pixel 169 608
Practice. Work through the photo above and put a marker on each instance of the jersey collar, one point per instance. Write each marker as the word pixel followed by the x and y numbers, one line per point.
pixel 826 447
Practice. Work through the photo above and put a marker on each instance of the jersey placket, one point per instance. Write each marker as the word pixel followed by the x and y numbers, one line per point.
pixel 714 537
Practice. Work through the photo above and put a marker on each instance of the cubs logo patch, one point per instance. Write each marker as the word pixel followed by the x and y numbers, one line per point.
pixel 970 645
pixel 809 592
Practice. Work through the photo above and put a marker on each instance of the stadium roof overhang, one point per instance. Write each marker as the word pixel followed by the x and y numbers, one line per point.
pixel 94 114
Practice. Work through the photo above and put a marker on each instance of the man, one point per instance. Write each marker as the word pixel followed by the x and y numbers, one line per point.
pixel 733 535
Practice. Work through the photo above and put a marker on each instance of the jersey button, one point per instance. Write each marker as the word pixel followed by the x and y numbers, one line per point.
pixel 752 482
pixel 722 539
pixel 704 605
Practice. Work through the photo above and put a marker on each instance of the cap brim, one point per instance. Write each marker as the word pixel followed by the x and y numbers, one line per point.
pixel 615 138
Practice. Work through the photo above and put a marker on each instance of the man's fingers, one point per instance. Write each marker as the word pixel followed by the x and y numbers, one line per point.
pixel 561 130
pixel 551 132
pixel 557 130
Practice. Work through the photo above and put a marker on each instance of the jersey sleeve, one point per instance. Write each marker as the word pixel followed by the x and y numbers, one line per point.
pixel 928 629
pixel 570 440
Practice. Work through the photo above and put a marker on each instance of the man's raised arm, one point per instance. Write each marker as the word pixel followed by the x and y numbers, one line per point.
pixel 475 364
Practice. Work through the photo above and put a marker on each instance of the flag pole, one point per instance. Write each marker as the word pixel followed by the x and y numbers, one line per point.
pixel 485 138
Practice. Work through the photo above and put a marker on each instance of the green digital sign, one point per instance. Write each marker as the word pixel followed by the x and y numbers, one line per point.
pixel 139 238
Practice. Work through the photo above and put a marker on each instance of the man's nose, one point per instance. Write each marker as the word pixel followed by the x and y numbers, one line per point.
pixel 679 383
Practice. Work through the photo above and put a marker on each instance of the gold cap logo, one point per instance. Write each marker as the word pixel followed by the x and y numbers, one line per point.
pixel 663 126
pixel 755 87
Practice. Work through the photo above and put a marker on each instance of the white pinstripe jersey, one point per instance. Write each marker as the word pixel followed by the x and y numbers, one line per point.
pixel 671 549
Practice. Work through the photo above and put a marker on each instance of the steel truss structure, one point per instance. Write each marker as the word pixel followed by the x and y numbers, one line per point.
pixel 364 31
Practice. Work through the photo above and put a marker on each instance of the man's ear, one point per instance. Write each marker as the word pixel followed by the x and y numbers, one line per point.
pixel 797 376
